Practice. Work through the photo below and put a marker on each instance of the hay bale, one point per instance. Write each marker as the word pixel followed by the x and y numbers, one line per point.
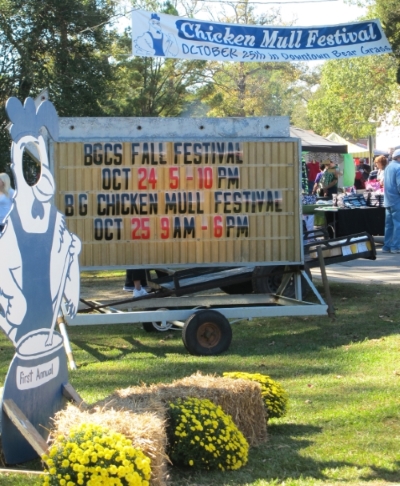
pixel 134 399
pixel 145 428
pixel 239 398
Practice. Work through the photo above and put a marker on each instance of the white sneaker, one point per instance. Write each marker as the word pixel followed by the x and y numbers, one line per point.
pixel 139 293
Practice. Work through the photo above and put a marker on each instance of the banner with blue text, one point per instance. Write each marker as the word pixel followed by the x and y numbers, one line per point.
pixel 161 35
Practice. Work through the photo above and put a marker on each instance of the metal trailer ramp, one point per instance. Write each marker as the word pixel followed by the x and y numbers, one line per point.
pixel 205 320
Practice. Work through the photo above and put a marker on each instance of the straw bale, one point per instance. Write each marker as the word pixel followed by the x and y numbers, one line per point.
pixel 136 399
pixel 145 428
pixel 239 398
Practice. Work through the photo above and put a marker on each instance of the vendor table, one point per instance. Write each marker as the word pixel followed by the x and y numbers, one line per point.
pixel 319 217
pixel 343 222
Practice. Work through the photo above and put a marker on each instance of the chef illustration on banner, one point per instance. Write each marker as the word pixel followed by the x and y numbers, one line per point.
pixel 39 268
pixel 154 42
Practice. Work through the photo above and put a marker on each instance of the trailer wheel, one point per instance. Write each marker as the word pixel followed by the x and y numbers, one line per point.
pixel 156 326
pixel 207 333
pixel 238 288
pixel 266 280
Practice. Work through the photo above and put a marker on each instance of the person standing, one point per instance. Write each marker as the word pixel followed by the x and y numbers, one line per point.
pixel 313 169
pixel 391 242
pixel 381 163
pixel 316 188
pixel 135 281
pixel 329 180
pixel 6 197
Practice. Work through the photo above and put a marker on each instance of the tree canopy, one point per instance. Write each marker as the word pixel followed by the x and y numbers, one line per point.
pixel 147 86
pixel 389 13
pixel 49 44
pixel 255 88
pixel 353 95
pixel 68 47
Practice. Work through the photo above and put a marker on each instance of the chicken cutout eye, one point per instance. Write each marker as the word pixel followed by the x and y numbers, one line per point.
pixel 31 164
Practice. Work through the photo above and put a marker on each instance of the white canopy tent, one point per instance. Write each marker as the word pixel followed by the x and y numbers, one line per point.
pixel 354 150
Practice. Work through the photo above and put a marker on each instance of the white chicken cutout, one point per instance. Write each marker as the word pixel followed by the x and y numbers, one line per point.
pixel 36 244
pixel 39 268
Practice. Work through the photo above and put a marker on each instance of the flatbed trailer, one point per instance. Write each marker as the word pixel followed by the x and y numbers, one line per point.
pixel 205 320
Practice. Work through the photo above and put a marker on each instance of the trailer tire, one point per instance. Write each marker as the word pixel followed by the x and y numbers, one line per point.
pixel 238 288
pixel 155 326
pixel 266 280
pixel 207 333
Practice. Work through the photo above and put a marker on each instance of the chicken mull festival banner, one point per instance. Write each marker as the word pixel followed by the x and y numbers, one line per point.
pixel 161 35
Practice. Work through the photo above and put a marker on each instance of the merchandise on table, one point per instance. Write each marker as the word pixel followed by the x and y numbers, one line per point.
pixel 374 199
pixel 349 200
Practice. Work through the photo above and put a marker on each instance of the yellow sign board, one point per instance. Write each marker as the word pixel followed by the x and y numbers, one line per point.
pixel 184 203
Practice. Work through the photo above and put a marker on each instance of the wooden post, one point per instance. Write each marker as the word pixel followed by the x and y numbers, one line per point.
pixel 21 471
pixel 70 393
pixel 23 425
pixel 328 298
pixel 67 345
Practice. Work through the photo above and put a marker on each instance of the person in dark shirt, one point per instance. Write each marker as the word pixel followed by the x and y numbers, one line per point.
pixel 329 180
pixel 316 188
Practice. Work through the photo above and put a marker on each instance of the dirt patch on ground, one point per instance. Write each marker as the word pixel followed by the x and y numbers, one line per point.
pixel 103 288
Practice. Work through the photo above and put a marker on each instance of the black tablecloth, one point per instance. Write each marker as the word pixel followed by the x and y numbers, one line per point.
pixel 350 221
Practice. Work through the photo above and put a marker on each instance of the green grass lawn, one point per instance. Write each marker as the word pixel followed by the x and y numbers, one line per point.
pixel 342 377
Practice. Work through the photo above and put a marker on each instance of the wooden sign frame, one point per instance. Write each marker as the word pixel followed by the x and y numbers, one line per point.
pixel 180 192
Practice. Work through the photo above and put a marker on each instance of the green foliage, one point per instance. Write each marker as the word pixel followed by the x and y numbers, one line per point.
pixel 342 425
pixel 146 86
pixel 202 436
pixel 54 47
pixel 353 95
pixel 274 396
pixel 259 89
pixel 49 44
pixel 94 455
pixel 242 89
pixel 388 12
pixel 249 89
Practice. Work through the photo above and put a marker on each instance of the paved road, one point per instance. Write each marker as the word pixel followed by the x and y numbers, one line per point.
pixel 385 269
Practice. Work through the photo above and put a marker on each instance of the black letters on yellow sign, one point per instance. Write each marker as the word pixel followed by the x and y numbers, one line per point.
pixel 183 203
pixel 70 204
pixel 230 175
pixel 208 152
pixel 187 224
pixel 102 154
pixel 117 204
pixel 116 179
pixel 107 229
pixel 240 223
pixel 248 201
pixel 149 153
